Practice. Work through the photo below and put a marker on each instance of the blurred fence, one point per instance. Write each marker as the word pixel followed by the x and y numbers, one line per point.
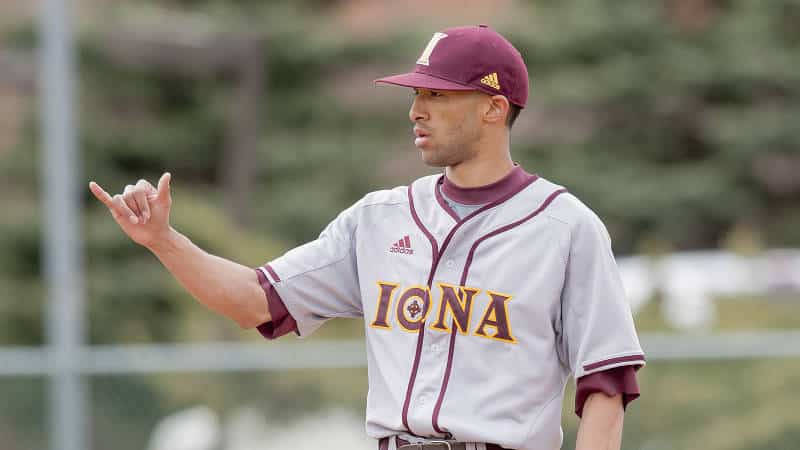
pixel 229 357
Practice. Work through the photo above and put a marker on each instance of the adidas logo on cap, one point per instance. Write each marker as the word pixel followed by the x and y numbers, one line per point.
pixel 491 80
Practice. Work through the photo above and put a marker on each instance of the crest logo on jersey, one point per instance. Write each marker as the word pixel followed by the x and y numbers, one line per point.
pixel 414 308
pixel 454 307
pixel 402 246
pixel 424 58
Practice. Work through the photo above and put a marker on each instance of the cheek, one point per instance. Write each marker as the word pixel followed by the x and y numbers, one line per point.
pixel 463 126
pixel 454 121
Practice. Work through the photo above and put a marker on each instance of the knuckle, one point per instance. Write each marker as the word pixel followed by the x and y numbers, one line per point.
pixel 118 203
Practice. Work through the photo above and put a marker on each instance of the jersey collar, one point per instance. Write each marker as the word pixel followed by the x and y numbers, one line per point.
pixel 481 195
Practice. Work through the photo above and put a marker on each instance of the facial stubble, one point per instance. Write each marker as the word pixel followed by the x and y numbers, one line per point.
pixel 459 146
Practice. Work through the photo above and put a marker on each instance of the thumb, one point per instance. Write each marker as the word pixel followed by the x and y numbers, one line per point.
pixel 163 187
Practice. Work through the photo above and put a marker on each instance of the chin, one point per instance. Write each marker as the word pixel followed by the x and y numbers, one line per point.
pixel 431 159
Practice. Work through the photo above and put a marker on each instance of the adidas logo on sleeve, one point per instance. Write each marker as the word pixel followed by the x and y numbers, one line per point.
pixel 402 246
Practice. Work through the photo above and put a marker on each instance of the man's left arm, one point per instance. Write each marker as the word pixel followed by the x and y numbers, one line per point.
pixel 601 425
pixel 597 336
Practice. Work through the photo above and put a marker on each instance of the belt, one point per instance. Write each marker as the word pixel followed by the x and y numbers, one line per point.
pixel 402 444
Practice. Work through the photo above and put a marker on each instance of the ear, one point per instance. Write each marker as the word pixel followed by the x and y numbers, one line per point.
pixel 497 109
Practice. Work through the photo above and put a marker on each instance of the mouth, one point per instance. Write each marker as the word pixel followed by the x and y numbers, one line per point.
pixel 422 137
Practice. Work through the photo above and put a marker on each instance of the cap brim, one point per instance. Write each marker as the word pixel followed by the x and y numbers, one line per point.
pixel 424 81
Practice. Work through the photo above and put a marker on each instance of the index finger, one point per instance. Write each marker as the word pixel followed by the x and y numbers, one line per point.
pixel 101 194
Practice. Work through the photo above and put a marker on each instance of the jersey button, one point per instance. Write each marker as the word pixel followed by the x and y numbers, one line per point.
pixel 450 263
pixel 435 348
pixel 422 399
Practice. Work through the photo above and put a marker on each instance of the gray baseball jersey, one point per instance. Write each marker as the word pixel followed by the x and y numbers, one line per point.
pixel 474 324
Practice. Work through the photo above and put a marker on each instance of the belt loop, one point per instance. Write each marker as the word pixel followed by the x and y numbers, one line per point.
pixel 393 442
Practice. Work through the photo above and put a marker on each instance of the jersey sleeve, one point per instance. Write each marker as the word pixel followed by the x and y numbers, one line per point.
pixel 281 322
pixel 314 282
pixel 597 329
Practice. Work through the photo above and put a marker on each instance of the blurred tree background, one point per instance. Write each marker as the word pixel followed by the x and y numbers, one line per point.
pixel 678 121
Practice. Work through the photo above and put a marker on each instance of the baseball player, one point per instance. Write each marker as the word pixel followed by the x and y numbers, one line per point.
pixel 482 289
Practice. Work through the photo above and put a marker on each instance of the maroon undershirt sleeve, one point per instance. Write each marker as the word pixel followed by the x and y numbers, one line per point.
pixel 282 322
pixel 618 380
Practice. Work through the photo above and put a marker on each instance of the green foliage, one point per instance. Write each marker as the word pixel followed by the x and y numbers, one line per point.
pixel 23 424
pixel 679 118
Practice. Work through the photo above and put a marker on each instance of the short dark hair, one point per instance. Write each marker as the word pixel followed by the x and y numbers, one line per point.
pixel 513 113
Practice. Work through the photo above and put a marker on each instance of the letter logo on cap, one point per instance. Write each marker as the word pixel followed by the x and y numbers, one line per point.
pixel 423 59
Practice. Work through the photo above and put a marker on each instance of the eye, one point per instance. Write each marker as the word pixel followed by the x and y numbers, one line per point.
pixel 436 94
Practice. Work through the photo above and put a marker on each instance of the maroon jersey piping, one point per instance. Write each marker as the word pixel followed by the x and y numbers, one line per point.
pixel 437 255
pixel 608 362
pixel 437 408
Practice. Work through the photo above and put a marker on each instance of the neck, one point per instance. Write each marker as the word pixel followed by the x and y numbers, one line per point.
pixel 489 165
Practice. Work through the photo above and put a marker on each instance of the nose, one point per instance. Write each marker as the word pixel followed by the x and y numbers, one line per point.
pixel 417 111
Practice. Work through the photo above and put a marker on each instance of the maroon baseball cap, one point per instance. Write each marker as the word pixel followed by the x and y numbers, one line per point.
pixel 467 59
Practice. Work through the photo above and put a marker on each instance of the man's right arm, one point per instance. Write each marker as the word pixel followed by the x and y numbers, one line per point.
pixel 227 288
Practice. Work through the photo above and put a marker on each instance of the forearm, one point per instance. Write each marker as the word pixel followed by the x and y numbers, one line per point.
pixel 225 287
pixel 601 425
